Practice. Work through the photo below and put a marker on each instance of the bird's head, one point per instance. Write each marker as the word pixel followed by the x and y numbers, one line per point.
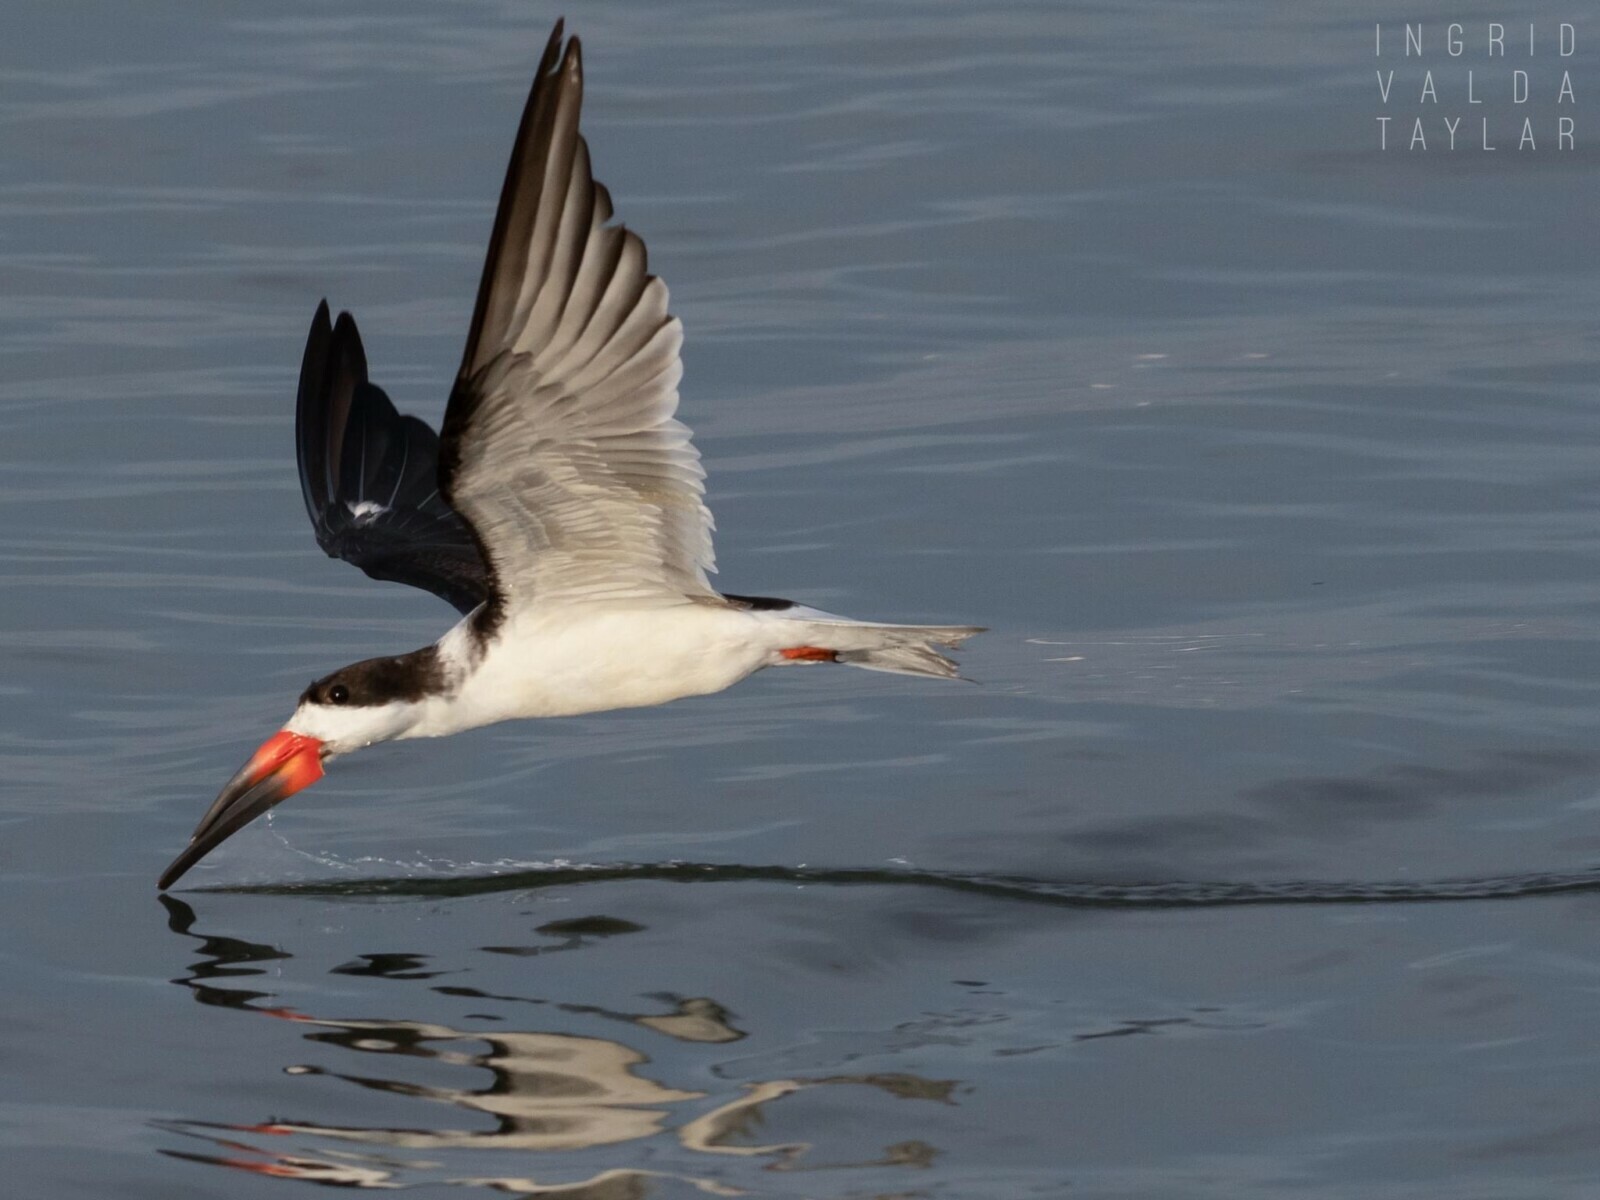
pixel 357 706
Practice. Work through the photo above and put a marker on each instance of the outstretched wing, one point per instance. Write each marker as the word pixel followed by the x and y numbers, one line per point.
pixel 370 476
pixel 559 446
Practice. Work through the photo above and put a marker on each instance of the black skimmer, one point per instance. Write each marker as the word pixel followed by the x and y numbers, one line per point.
pixel 560 508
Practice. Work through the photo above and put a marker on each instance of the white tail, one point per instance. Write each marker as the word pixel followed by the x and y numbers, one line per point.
pixel 902 649
pixel 909 649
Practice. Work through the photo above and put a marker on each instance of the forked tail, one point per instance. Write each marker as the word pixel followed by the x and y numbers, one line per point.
pixel 908 649
pixel 902 649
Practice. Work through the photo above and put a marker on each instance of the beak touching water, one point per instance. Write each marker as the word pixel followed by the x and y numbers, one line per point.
pixel 285 764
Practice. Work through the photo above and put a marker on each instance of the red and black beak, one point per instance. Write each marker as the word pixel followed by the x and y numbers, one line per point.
pixel 286 763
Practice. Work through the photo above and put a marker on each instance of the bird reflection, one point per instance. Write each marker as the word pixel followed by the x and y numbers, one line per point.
pixel 546 1093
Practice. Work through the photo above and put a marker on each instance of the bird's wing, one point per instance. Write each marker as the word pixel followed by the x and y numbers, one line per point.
pixel 559 446
pixel 370 476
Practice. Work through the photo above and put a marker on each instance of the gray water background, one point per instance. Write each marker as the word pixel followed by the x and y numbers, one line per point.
pixel 1269 458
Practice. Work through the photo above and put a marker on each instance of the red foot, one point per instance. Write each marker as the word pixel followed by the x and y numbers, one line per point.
pixel 810 654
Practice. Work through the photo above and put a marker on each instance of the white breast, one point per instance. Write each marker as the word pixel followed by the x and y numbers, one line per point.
pixel 570 662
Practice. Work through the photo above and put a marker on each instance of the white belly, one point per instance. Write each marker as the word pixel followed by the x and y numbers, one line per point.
pixel 571 663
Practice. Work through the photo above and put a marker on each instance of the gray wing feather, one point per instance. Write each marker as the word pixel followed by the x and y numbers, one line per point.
pixel 560 447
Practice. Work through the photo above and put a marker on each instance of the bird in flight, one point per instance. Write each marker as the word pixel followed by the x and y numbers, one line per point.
pixel 560 508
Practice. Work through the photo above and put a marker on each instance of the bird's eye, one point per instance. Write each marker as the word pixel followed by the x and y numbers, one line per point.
pixel 338 694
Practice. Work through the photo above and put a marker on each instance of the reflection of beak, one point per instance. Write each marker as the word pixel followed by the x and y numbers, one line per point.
pixel 286 763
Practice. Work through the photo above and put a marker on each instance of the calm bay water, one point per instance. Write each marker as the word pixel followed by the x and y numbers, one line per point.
pixel 1269 458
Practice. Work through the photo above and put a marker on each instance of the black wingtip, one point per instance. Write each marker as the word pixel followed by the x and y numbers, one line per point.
pixel 317 338
pixel 313 368
pixel 335 364
pixel 557 88
pixel 555 60
pixel 552 48
pixel 344 323
pixel 349 357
